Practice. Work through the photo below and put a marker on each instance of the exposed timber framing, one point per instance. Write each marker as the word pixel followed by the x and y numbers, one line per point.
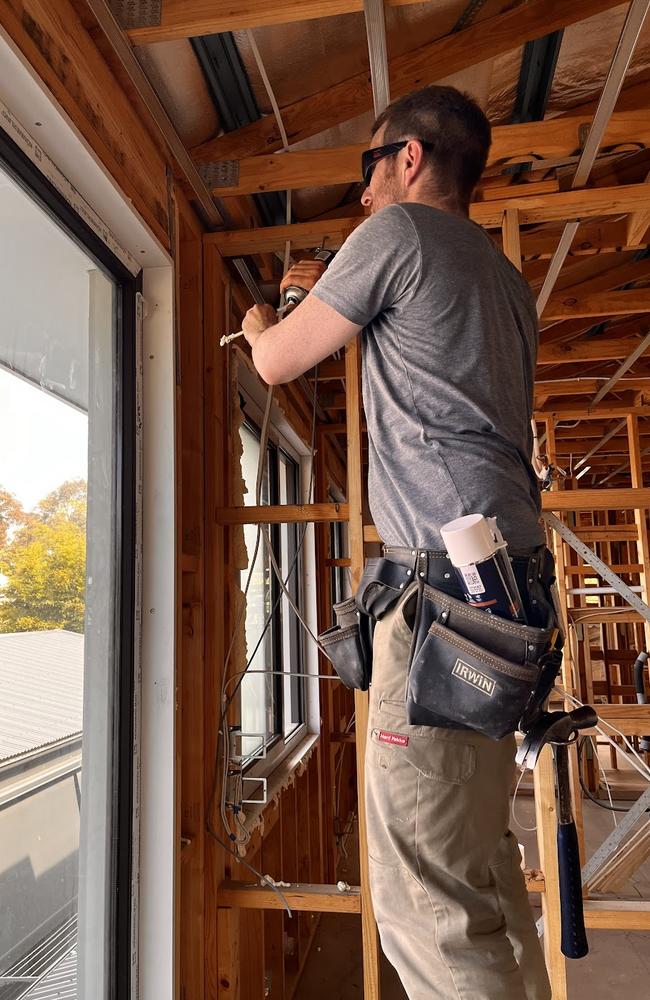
pixel 427 64
pixel 187 19
pixel 552 207
pixel 634 21
pixel 511 144
pixel 370 939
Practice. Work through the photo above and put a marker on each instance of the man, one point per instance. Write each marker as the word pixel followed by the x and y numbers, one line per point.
pixel 449 350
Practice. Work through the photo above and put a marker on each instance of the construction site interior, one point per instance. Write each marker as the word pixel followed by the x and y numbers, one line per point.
pixel 203 146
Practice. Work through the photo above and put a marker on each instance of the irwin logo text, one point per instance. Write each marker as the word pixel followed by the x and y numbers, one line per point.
pixel 474 677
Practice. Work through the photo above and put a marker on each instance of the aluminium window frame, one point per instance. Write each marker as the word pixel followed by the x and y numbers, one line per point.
pixel 26 174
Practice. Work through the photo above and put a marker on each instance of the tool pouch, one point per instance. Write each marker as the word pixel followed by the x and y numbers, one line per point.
pixel 471 669
pixel 348 645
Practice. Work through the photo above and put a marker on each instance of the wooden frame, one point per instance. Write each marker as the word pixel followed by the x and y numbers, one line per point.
pixel 229 945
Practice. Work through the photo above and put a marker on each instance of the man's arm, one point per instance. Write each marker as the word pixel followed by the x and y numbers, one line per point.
pixel 283 351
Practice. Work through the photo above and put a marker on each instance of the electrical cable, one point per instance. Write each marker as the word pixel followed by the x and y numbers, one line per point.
pixel 261 467
pixel 609 792
pixel 638 763
pixel 264 879
pixel 590 795
pixel 293 563
pixel 283 134
pixel 527 829
pixel 223 742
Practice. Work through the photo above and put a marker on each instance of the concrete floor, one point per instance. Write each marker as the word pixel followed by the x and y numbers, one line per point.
pixel 618 962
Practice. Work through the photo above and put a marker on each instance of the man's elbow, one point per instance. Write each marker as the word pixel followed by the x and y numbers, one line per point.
pixel 268 368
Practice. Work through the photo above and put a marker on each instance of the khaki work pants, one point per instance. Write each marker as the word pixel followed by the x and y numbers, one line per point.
pixel 445 871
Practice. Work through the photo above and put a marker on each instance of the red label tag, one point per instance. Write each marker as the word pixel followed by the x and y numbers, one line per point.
pixel 396 739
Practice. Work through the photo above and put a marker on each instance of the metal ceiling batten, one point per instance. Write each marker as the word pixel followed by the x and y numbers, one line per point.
pixel 376 32
pixel 623 367
pixel 222 67
pixel 603 441
pixel 231 92
pixel 634 21
pixel 536 77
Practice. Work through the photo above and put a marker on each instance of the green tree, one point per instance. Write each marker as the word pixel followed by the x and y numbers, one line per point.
pixel 12 515
pixel 44 563
pixel 67 501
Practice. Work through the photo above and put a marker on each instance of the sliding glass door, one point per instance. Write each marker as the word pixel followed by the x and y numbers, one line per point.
pixel 67 329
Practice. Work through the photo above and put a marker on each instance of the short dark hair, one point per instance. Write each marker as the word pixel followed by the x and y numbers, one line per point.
pixel 456 128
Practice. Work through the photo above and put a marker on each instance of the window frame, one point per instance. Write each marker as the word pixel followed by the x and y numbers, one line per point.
pixel 26 174
pixel 282 438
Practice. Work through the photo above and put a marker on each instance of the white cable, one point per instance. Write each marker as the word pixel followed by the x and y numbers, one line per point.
pixel 528 829
pixel 601 771
pixel 281 128
pixel 223 726
pixel 267 83
pixel 641 766
pixel 278 574
pixel 226 702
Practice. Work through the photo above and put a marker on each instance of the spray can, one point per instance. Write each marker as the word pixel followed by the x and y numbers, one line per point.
pixel 294 294
pixel 477 551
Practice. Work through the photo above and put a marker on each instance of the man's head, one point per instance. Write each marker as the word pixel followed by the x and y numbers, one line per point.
pixel 448 142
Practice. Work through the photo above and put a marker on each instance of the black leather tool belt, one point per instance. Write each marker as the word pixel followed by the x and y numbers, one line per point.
pixel 467 669
pixel 471 669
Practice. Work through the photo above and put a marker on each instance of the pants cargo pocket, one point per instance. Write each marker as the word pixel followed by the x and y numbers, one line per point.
pixel 398 757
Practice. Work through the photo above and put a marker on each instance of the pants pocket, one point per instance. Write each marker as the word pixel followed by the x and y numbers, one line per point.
pixel 398 758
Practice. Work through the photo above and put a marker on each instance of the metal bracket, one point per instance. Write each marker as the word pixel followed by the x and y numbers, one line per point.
pixel 256 802
pixel 237 755
pixel 219 173
pixel 136 13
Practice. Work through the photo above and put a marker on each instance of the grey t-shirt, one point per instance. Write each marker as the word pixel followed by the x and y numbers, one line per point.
pixel 449 351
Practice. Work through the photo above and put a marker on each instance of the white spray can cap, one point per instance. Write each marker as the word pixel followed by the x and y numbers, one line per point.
pixel 471 539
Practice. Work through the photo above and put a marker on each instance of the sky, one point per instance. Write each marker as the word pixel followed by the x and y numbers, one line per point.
pixel 43 441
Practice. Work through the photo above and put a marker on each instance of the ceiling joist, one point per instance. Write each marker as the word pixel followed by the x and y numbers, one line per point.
pixel 586 350
pixel 554 207
pixel 189 18
pixel 531 141
pixel 626 303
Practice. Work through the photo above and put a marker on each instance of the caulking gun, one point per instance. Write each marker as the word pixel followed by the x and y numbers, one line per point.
pixel 292 296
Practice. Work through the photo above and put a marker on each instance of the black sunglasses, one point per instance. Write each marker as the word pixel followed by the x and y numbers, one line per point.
pixel 371 157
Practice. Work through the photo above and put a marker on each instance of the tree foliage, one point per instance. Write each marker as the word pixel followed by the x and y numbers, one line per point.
pixel 43 559
pixel 12 516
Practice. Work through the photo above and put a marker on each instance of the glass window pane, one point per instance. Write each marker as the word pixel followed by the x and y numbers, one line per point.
pixel 257 691
pixel 57 607
pixel 292 658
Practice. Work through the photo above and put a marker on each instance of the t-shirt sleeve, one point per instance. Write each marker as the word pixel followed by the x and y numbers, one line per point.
pixel 377 266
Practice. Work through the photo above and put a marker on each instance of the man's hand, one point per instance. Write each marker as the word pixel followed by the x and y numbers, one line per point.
pixel 257 320
pixel 305 274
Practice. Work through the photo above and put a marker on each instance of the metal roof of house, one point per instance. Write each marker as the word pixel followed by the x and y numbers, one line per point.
pixel 60 983
pixel 41 689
